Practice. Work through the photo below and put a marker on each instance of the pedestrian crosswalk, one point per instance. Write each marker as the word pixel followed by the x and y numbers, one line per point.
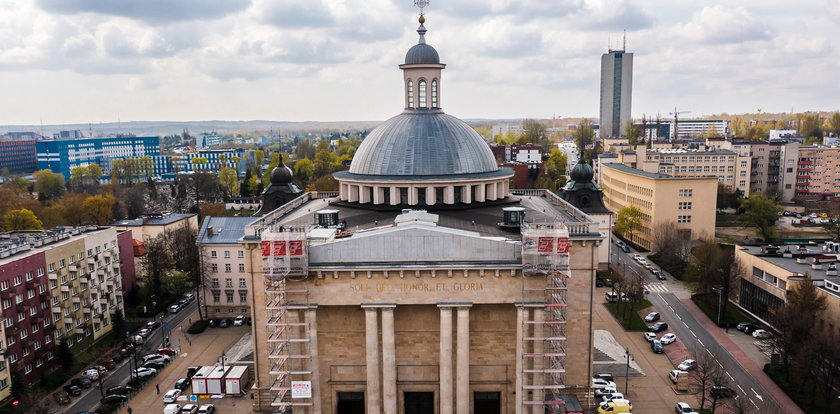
pixel 656 287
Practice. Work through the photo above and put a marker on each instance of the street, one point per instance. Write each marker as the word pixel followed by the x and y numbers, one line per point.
pixel 696 334
pixel 89 399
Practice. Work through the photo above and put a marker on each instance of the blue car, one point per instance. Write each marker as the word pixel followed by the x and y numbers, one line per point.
pixel 625 249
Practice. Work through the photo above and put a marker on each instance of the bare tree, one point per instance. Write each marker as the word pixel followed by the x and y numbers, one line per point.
pixel 703 377
pixel 720 380
pixel 742 405
pixel 668 241
pixel 824 364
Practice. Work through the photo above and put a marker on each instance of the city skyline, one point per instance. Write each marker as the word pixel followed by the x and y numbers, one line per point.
pixel 84 61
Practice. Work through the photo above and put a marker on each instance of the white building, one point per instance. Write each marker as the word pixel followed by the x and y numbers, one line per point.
pixel 697 128
pixel 226 285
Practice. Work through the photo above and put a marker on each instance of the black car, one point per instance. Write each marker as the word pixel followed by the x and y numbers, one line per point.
pixel 213 323
pixel 658 327
pixel 113 399
pixel 153 364
pixel 657 347
pixel 153 325
pixel 599 282
pixel 81 382
pixel 719 391
pixel 72 390
pixel 747 327
pixel 182 384
pixel 224 323
pixel 119 390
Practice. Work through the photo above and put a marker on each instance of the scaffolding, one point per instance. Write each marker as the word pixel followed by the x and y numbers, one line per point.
pixel 285 259
pixel 545 253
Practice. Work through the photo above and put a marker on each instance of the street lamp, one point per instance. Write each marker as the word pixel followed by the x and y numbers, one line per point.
pixel 720 302
pixel 627 371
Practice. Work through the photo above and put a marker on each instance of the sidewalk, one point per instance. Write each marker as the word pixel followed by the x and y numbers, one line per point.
pixel 744 359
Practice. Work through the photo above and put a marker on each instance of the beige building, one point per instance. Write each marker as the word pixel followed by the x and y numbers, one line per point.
pixel 150 226
pixel 226 277
pixel 771 272
pixel 688 201
pixel 730 168
pixel 772 165
pixel 818 174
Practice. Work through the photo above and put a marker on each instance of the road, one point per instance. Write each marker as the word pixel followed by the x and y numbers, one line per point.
pixel 89 399
pixel 691 332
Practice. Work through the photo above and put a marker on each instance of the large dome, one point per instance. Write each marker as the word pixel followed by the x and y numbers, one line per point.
pixel 419 142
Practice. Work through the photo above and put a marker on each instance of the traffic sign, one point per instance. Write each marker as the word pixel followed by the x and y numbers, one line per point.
pixel 193 398
pixel 166 325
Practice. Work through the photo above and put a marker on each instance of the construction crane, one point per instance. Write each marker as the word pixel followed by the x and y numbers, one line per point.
pixel 676 115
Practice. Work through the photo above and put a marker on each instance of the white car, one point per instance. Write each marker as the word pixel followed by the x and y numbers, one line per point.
pixel 239 320
pixel 144 372
pixel 761 334
pixel 145 332
pixel 650 336
pixel 683 408
pixel 207 409
pixel 614 396
pixel 687 365
pixel 171 396
pixel 189 409
pixel 668 338
pixel 607 391
pixel 599 383
pixel 156 358
pixel 91 374
pixel 676 373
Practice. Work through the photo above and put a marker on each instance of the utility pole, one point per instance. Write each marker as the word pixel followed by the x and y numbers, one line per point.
pixel 627 370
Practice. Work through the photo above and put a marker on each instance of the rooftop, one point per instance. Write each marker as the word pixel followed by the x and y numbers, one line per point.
pixel 154 219
pixel 222 230
pixel 16 244
pixel 800 261
pixel 640 173
pixel 692 151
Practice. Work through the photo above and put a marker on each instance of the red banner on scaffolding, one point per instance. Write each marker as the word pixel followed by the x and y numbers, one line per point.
pixel 545 245
pixel 278 248
pixel 563 245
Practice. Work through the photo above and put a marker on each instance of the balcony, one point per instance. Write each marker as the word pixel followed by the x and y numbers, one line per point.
pixel 65 288
pixel 73 268
pixel 68 319
pixel 56 309
pixel 52 276
pixel 80 330
pixel 91 260
pixel 76 299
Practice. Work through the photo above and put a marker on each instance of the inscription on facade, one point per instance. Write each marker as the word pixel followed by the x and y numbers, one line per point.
pixel 417 287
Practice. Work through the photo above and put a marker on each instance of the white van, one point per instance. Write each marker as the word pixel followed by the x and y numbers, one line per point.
pixel 172 409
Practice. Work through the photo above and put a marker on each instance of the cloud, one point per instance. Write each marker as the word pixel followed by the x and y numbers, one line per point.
pixel 722 24
pixel 295 13
pixel 613 15
pixel 153 12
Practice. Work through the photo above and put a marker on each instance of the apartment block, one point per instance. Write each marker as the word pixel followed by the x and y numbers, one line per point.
pixel 18 156
pixel 690 202
pixel 226 268
pixel 57 285
pixel 5 372
pixel 818 174
pixel 62 155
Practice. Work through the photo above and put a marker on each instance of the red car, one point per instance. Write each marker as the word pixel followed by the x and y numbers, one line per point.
pixel 166 351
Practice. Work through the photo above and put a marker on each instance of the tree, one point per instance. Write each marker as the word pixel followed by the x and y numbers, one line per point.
pixel 704 375
pixel 229 180
pixel 761 213
pixel 48 184
pixel 809 125
pixel 726 198
pixel 134 200
pixel 157 261
pixel 325 183
pixel 304 169
pixel 325 160
pixel 19 387
pixel 99 209
pixel 834 123
pixel 795 320
pixel 212 210
pixel 177 282
pixel 671 244
pixel 585 134
pixel 558 161
pixel 631 133
pixel 823 359
pixel 65 356
pixel 22 219
pixel 118 324
pixel 628 222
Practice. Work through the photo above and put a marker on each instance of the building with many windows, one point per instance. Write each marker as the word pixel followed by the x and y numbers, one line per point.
pixel 818 173
pixel 226 274
pixel 687 201
pixel 700 128
pixel 5 371
pixel 62 155
pixel 208 160
pixel 18 156
pixel 616 92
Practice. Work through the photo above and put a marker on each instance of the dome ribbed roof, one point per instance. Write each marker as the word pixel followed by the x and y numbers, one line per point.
pixel 281 174
pixel 582 172
pixel 423 143
pixel 422 54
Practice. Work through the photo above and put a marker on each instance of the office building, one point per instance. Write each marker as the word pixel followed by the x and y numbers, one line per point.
pixel 62 155
pixel 18 156
pixel 424 285
pixel 700 128
pixel 210 161
pixel 687 201
pixel 616 92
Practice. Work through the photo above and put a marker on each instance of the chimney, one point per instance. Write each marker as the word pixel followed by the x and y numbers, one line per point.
pixel 209 231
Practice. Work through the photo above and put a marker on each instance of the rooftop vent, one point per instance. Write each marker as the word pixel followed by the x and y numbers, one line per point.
pixel 512 217
pixel 326 218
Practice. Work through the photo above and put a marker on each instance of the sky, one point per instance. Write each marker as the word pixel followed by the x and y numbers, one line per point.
pixel 80 61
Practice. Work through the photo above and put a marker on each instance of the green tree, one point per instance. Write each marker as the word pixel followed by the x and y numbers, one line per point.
pixel 304 169
pixel 761 213
pixel 585 134
pixel 628 221
pixel 559 161
pixel 796 319
pixel 48 184
pixel 177 282
pixel 810 125
pixel 631 133
pixel 19 387
pixel 65 356
pixel 99 208
pixel 229 180
pixel 325 183
pixel 259 156
pixel 325 160
pixel 118 324
pixel 834 123
pixel 21 219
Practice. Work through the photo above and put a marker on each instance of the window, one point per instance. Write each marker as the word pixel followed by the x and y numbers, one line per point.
pixel 27 368
pixel 242 268
pixel 62 263
pixel 18 280
pixel 240 254
pixel 743 164
pixel 683 219
pixel 229 283
pixel 52 267
pixel 212 253
pixel 227 267
pixel 686 192
pixel 229 297
pixel 7 303
pixel 4 285
pixel 243 297
pixel 216 298
pixel 684 205
pixel 214 268
pixel 28 276
pixel 242 283
pixel 40 271
pixel 421 94
pixel 434 94
pixel 410 94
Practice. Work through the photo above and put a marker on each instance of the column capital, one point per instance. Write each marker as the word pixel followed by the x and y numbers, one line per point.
pixel 454 304
pixel 377 305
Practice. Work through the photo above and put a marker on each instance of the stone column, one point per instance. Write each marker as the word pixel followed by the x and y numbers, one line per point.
pixel 491 191
pixel 312 322
pixel 430 195
pixel 479 193
pixel 372 351
pixel 445 359
pixel 353 195
pixel 539 363
pixel 389 362
pixel 395 196
pixel 364 194
pixel 466 194
pixel 377 194
pixel 462 376
pixel 520 324
pixel 449 195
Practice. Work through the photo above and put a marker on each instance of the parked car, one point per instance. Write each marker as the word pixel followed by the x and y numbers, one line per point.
pixel 687 365
pixel 183 303
pixel 174 309
pixel 224 323
pixel 144 372
pixel 658 327
pixel 83 383
pixel 747 327
pixel 182 384
pixel 657 347
pixel 605 377
pixel 156 357
pixel 189 297
pixel 761 334
pixel 600 383
pixel 614 408
pixel 171 396
pixel 145 332
pixel 675 373
pixel 172 409
pixel 660 275
pixel 166 351
pixel 599 282
pixel 157 365
pixel 108 363
pixel 72 390
pixel 650 336
pixel 613 396
pixel 91 374
pixel 102 370
pixel 189 409
pixel 601 392
pixel 119 390
pixel 152 325
pixel 213 323
pixel 668 338
pixel 113 399
pixel 652 317
pixel 683 408
pixel 207 409
pixel 61 398
pixel 625 249
pixel 720 391
pixel 239 320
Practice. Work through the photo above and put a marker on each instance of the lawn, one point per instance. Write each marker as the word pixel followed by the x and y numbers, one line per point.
pixel 709 306
pixel 632 322
pixel 727 220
